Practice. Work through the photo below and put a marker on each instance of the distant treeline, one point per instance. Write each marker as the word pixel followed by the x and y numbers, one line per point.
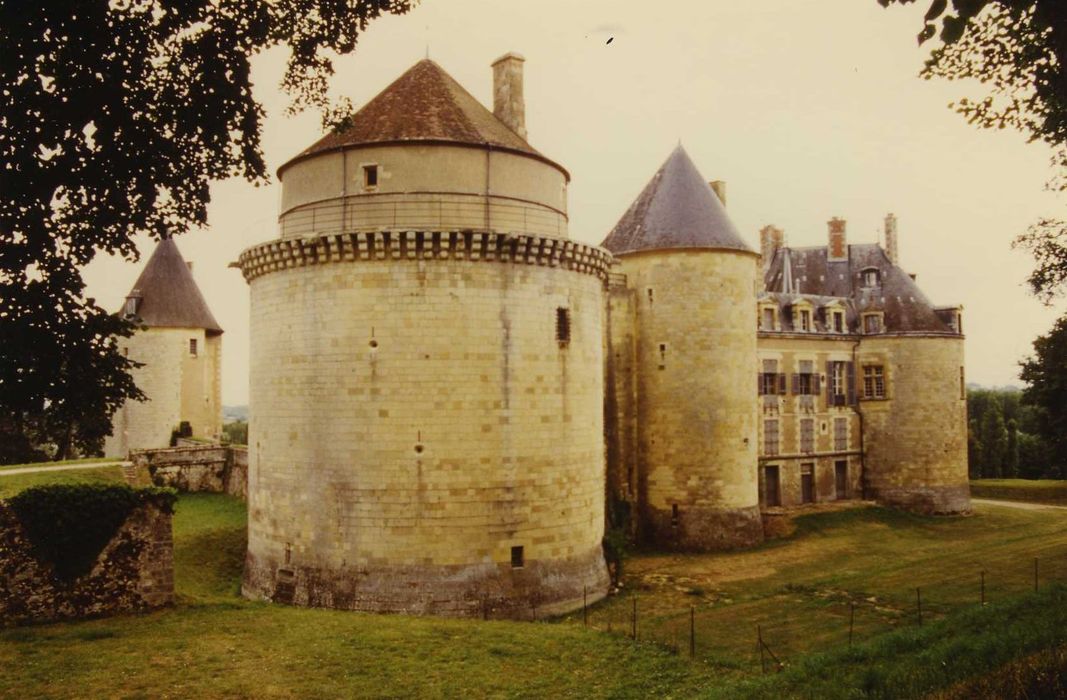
pixel 1003 438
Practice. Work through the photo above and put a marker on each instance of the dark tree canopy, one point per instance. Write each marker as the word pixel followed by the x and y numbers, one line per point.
pixel 116 118
pixel 1018 50
pixel 1045 374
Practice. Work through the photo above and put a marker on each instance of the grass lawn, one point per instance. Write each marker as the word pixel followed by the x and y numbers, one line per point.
pixel 215 644
pixel 12 484
pixel 1036 490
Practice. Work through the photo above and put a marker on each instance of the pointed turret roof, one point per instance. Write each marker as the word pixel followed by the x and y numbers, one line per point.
pixel 424 104
pixel 169 297
pixel 677 209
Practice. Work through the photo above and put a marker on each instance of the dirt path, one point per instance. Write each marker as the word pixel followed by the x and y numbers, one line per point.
pixel 62 467
pixel 1024 505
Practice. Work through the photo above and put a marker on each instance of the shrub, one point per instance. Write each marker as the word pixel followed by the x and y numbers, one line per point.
pixel 69 525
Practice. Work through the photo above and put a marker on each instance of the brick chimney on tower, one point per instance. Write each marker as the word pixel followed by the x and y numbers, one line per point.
pixel 719 186
pixel 771 238
pixel 837 248
pixel 891 238
pixel 508 104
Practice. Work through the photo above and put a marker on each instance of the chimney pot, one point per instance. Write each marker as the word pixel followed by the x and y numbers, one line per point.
pixel 837 248
pixel 508 103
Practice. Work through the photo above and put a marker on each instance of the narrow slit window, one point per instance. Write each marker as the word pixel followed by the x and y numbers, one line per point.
pixel 518 558
pixel 370 175
pixel 192 347
pixel 563 326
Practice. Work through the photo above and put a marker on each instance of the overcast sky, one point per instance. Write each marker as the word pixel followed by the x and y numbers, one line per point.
pixel 807 110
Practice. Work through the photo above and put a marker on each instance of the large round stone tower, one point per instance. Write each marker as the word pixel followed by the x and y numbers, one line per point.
pixel 426 427
pixel 692 281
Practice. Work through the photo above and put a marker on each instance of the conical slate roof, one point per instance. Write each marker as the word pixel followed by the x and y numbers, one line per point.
pixel 424 104
pixel 677 209
pixel 169 295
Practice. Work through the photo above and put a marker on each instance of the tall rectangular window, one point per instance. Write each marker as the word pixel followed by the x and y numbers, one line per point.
pixel 872 323
pixel 770 437
pixel 192 347
pixel 806 382
pixel 807 435
pixel 563 326
pixel 873 382
pixel 839 322
pixel 769 377
pixel 805 320
pixel 840 434
pixel 838 384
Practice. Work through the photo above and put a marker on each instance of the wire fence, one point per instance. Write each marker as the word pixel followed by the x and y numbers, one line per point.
pixel 764 634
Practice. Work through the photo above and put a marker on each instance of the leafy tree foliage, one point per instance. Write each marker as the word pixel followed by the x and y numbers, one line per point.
pixel 1045 374
pixel 1003 437
pixel 116 116
pixel 1018 50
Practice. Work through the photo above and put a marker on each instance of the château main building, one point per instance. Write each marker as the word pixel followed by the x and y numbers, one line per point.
pixel 448 392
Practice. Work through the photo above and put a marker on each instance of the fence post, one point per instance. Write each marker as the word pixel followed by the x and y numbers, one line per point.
pixel 692 632
pixel 759 640
pixel 919 605
pixel 983 589
pixel 633 620
pixel 1035 574
pixel 851 621
pixel 585 606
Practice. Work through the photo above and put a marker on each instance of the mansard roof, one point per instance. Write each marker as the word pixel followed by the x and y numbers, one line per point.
pixel 677 209
pixel 169 297
pixel 424 104
pixel 905 306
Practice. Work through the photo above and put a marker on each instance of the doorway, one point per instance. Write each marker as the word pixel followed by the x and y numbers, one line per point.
pixel 772 491
pixel 807 483
pixel 841 479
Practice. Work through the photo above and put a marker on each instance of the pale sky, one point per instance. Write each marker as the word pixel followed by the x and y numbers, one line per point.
pixel 807 110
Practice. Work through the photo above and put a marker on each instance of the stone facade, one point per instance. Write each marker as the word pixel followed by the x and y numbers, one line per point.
pixel 134 572
pixel 690 349
pixel 447 392
pixel 179 347
pixel 180 386
pixel 916 438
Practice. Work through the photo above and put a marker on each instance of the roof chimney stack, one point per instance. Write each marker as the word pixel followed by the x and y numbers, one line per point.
pixel 838 243
pixel 720 190
pixel 508 104
pixel 891 238
pixel 771 239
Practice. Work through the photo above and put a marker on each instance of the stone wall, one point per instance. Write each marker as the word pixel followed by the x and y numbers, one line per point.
pixel 916 438
pixel 421 440
pixel 201 468
pixel 695 406
pixel 134 572
pixel 179 386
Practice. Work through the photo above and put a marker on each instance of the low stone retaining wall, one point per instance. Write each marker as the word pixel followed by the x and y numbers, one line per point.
pixel 200 468
pixel 134 572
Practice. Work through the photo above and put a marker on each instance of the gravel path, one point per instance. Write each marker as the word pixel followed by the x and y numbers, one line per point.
pixel 62 467
pixel 1025 505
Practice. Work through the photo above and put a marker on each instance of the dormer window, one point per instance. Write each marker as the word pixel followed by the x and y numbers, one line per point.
pixel 132 302
pixel 870 277
pixel 803 316
pixel 872 323
pixel 370 176
pixel 768 316
pixel 837 321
